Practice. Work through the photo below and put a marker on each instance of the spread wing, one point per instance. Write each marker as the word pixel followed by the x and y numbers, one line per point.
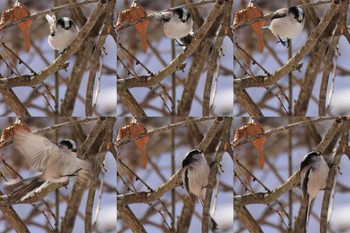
pixel 35 148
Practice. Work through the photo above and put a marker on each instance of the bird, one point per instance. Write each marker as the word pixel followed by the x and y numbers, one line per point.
pixel 287 23
pixel 55 163
pixel 177 24
pixel 62 32
pixel 195 172
pixel 313 178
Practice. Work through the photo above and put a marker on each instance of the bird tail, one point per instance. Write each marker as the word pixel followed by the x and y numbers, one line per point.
pixel 14 184
pixel 24 191
pixel 213 225
pixel 306 217
pixel 186 40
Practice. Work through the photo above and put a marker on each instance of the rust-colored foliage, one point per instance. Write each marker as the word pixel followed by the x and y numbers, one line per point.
pixel 17 13
pixel 8 132
pixel 134 130
pixel 251 130
pixel 250 13
pixel 135 12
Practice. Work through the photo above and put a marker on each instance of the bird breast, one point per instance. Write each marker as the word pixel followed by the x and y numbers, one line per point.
pixel 286 28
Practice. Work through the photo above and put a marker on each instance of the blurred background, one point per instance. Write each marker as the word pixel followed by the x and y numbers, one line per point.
pixel 156 101
pixel 40 99
pixel 158 171
pixel 273 100
pixel 272 217
pixel 39 216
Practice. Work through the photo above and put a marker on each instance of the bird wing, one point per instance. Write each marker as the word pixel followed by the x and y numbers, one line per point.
pixel 305 183
pixel 35 148
pixel 280 13
pixel 185 180
pixel 164 16
pixel 186 183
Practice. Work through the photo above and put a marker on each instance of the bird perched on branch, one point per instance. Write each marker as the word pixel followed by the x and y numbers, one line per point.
pixel 62 32
pixel 56 163
pixel 195 178
pixel 177 24
pixel 287 23
pixel 313 178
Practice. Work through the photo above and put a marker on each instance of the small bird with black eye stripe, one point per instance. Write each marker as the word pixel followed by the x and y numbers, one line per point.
pixel 287 23
pixel 56 163
pixel 62 32
pixel 313 178
pixel 195 172
pixel 177 24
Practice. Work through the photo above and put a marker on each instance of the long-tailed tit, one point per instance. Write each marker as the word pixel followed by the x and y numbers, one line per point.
pixel 56 163
pixel 195 177
pixel 313 177
pixel 287 23
pixel 62 32
pixel 178 24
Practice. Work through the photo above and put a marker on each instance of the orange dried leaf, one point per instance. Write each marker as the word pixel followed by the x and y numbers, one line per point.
pixel 122 134
pixel 7 133
pixel 254 12
pixel 250 13
pixel 20 12
pixel 5 17
pixel 14 14
pixel 122 17
pixel 251 130
pixel 135 12
pixel 240 16
pixel 134 130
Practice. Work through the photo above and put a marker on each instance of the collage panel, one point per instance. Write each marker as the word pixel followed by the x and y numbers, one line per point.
pixel 296 63
pixel 59 62
pixel 291 174
pixel 153 64
pixel 174 59
pixel 58 175
pixel 176 176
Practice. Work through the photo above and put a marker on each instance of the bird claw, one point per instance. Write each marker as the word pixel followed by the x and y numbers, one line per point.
pixel 76 172
pixel 284 43
pixel 73 174
pixel 179 43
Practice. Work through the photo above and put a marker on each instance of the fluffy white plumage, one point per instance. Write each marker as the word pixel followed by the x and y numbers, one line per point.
pixel 56 163
pixel 313 178
pixel 177 23
pixel 196 174
pixel 62 32
pixel 287 23
pixel 195 177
